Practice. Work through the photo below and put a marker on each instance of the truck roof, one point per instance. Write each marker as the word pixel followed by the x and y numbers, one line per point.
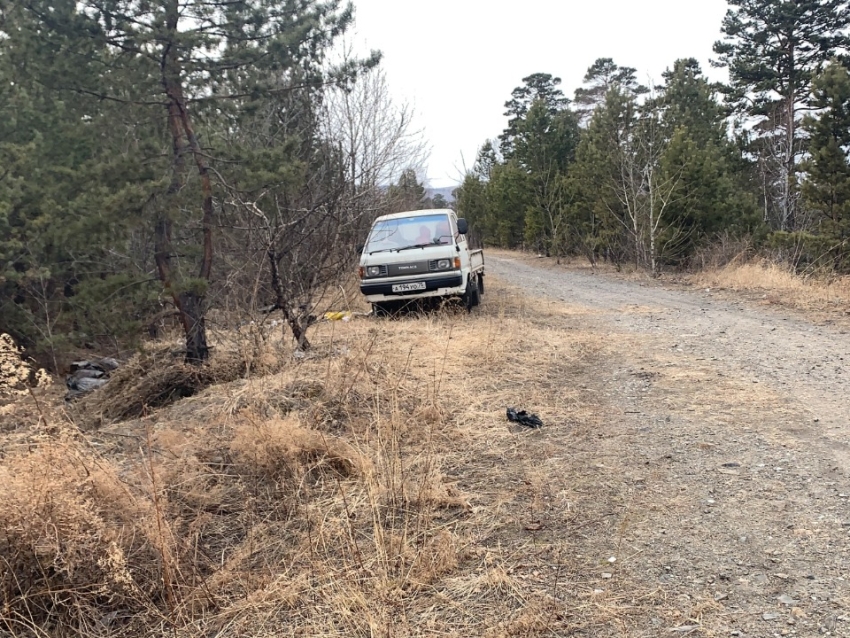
pixel 415 213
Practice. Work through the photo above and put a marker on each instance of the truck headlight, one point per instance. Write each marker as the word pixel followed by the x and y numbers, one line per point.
pixel 444 264
pixel 373 271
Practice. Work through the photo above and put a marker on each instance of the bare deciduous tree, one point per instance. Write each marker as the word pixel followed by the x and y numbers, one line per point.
pixel 375 136
pixel 296 231
pixel 645 192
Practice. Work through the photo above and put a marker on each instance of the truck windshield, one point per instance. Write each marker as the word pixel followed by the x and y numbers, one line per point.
pixel 424 230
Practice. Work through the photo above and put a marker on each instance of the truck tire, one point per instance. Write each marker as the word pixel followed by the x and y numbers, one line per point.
pixel 471 298
pixel 481 285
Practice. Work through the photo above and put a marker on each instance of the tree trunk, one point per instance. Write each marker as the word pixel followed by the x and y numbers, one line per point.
pixel 192 315
pixel 652 227
pixel 789 212
pixel 282 303
pixel 190 304
pixel 789 170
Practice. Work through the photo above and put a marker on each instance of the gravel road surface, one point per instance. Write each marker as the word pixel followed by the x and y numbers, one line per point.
pixel 728 424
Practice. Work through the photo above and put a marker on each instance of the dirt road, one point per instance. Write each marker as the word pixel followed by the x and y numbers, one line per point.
pixel 723 430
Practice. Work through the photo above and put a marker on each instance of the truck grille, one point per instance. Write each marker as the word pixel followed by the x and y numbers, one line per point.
pixel 408 268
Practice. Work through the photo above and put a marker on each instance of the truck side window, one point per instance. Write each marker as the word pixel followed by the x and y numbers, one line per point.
pixel 444 233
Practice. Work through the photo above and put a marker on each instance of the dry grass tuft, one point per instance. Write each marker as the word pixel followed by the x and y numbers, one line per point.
pixel 777 284
pixel 14 371
pixel 17 374
pixel 158 377
pixel 284 448
pixel 77 544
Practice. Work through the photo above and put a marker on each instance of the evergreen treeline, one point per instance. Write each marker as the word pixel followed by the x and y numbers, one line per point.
pixel 650 175
pixel 161 158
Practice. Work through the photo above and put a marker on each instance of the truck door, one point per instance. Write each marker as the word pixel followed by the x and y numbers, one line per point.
pixel 461 244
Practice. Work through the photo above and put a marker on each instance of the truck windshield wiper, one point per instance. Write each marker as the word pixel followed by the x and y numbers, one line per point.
pixel 386 250
pixel 417 246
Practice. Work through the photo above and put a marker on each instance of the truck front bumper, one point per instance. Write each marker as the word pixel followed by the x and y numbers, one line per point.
pixel 439 286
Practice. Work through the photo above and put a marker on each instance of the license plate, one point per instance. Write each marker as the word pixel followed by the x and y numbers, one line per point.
pixel 417 285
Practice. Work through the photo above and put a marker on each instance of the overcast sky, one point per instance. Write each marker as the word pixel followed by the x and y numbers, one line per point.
pixel 457 61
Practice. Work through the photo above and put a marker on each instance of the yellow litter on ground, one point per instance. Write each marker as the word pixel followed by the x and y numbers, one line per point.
pixel 338 316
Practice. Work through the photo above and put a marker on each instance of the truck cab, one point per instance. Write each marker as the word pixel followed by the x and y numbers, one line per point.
pixel 416 255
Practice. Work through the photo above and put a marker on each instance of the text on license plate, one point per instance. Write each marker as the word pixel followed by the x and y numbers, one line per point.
pixel 417 285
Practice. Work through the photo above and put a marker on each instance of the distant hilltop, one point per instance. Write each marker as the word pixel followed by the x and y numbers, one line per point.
pixel 445 191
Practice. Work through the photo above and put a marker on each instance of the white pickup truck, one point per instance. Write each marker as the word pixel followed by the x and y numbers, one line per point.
pixel 419 254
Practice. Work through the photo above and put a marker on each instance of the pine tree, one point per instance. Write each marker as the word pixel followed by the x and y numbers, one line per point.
pixel 508 196
pixel 545 141
pixel 773 50
pixel 471 197
pixel 71 192
pixel 689 100
pixel 485 161
pixel 826 187
pixel 602 76
pixel 470 200
pixel 545 146
pixel 700 156
pixel 540 139
pixel 597 217
pixel 407 193
pixel 538 87
pixel 191 66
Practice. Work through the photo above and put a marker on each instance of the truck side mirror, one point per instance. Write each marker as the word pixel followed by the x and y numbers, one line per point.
pixel 462 226
pixel 360 249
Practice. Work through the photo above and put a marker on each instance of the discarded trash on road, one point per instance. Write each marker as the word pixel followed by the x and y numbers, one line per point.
pixel 524 418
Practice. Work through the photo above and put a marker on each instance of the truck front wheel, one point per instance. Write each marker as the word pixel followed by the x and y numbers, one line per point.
pixel 471 297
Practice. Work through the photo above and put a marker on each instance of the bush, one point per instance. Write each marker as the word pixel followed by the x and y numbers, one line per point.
pixel 76 544
pixel 808 252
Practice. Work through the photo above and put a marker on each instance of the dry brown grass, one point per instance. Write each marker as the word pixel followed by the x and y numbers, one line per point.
pixel 730 268
pixel 776 284
pixel 372 487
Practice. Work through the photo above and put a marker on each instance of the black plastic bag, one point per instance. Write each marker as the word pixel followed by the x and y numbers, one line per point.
pixel 524 418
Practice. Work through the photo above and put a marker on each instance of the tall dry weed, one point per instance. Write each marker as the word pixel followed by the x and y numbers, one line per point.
pixel 77 544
